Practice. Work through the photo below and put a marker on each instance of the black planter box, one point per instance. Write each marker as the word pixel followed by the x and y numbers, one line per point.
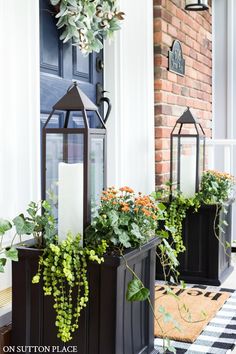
pixel 205 260
pixel 109 324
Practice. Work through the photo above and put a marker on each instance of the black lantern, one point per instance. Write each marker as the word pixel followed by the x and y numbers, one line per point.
pixel 187 154
pixel 74 160
pixel 196 5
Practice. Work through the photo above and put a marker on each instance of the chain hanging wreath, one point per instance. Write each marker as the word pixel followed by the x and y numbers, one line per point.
pixel 87 22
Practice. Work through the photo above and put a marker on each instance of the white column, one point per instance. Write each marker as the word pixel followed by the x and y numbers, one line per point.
pixel 19 107
pixel 129 79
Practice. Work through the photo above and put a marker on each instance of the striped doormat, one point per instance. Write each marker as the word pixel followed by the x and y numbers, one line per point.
pixel 218 337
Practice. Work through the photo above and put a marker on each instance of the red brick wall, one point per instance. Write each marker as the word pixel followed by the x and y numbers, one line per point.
pixel 173 93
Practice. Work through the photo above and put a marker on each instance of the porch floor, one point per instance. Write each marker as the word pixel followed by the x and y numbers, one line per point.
pixel 230 282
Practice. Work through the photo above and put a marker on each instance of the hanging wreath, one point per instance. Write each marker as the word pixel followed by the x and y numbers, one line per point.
pixel 87 22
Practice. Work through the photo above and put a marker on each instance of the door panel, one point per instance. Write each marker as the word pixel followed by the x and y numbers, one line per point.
pixel 61 63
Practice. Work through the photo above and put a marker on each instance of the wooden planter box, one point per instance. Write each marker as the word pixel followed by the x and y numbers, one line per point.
pixel 109 325
pixel 205 260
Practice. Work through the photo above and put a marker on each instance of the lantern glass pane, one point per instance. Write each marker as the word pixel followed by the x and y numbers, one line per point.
pixel 188 162
pixel 77 121
pixel 65 180
pixel 174 162
pixel 97 171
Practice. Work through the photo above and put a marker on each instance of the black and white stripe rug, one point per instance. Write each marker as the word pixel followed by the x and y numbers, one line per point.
pixel 218 337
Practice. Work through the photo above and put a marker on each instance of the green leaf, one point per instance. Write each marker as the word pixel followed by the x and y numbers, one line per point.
pixel 163 234
pixel 161 206
pixel 215 186
pixel 183 284
pixel 136 291
pixel 171 229
pixel 168 346
pixel 23 227
pixel 12 254
pixel 113 217
pixel 124 239
pixel 135 231
pixel 2 264
pixel 124 219
pixel 5 225
pixel 91 9
pixel 19 223
pixel 170 253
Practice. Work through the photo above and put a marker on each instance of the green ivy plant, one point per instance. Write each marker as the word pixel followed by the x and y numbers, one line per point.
pixel 40 225
pixel 87 22
pixel 172 245
pixel 216 188
pixel 63 267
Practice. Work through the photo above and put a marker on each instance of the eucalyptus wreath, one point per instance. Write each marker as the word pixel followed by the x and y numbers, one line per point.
pixel 87 22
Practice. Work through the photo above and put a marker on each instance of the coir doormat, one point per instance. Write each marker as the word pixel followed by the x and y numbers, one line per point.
pixel 183 313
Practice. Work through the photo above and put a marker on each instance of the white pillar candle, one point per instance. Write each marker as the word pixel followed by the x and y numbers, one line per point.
pixel 70 199
pixel 188 175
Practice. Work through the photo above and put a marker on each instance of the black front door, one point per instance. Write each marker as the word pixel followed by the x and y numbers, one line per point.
pixel 61 63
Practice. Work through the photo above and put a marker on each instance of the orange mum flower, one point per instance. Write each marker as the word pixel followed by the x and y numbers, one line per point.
pixel 125 208
pixel 144 201
pixel 146 212
pixel 104 198
pixel 126 189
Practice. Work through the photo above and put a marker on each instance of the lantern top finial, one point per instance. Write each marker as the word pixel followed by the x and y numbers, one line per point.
pixel 75 100
pixel 187 118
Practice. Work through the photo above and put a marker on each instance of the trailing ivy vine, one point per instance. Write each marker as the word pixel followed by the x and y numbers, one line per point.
pixel 63 268
pixel 171 231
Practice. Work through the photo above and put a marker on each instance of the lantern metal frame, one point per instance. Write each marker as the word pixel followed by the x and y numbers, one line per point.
pixel 186 119
pixel 196 5
pixel 76 101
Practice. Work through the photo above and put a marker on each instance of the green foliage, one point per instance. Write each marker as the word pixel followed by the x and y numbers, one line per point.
pixel 124 220
pixel 38 222
pixel 2 264
pixel 12 254
pixel 136 291
pixel 5 226
pixel 171 231
pixel 63 268
pixel 167 346
pixel 216 187
pixel 87 23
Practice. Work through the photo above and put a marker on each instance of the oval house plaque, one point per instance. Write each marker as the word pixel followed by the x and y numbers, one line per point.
pixel 176 60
